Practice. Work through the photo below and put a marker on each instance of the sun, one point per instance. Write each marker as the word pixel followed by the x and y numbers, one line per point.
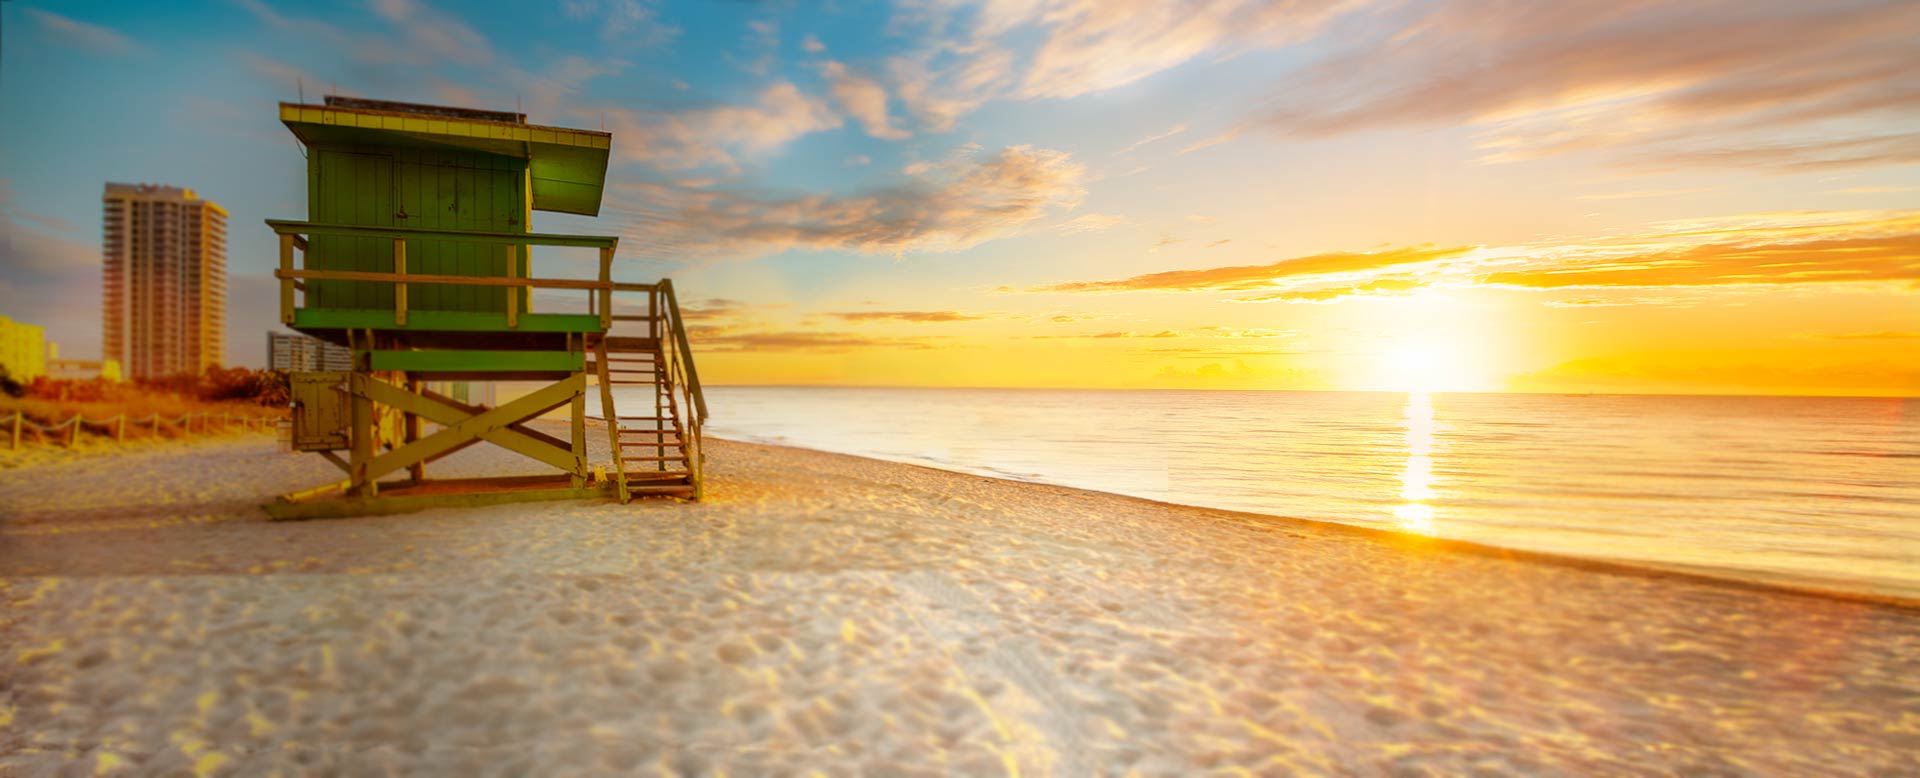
pixel 1429 364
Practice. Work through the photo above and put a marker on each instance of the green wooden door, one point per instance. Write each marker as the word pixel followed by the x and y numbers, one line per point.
pixel 349 187
pixel 469 192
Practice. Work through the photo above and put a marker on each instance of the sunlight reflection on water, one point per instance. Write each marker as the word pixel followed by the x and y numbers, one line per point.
pixel 1416 481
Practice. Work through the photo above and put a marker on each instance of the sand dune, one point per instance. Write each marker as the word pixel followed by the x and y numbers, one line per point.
pixel 841 614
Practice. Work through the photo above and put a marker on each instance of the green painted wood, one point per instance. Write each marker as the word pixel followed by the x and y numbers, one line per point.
pixel 525 239
pixel 477 361
pixel 306 319
pixel 350 186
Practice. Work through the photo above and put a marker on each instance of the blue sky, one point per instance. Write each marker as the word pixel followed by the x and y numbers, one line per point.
pixel 807 167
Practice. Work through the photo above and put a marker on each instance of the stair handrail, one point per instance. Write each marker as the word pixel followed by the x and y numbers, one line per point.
pixel 684 355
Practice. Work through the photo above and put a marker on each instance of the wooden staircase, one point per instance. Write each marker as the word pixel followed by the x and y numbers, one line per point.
pixel 655 446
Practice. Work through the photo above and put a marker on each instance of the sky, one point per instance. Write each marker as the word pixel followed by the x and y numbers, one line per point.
pixel 1457 195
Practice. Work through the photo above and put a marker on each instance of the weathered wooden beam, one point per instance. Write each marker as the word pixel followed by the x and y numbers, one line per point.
pixel 424 278
pixel 290 227
pixel 286 282
pixel 400 288
pixel 492 425
pixel 513 294
pixel 476 360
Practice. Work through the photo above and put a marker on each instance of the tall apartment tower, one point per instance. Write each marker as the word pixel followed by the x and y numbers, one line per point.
pixel 165 281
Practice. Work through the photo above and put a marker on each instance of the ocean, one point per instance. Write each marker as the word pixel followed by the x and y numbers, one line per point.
pixel 1821 492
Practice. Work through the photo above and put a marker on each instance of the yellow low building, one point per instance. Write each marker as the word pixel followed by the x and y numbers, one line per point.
pixel 23 349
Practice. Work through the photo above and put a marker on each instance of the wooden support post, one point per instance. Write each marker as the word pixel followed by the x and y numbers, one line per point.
pixel 513 292
pixel 16 430
pixel 120 429
pixel 360 432
pixel 73 430
pixel 156 425
pixel 580 435
pixel 286 284
pixel 418 470
pixel 400 288
pixel 606 292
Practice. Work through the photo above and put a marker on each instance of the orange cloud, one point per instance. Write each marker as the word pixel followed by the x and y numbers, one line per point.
pixel 1889 258
pixel 913 316
pixel 1242 278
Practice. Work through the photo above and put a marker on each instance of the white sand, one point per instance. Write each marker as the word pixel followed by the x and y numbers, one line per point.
pixel 835 613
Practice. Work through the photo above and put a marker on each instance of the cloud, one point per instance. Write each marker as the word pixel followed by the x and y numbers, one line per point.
pixel 726 340
pixel 913 316
pixel 1876 258
pixel 630 23
pixel 1717 83
pixel 1037 49
pixel 945 207
pixel 1880 335
pixel 1379 287
pixel 1171 131
pixel 713 135
pixel 89 37
pixel 1091 222
pixel 811 44
pixel 434 33
pixel 857 160
pixel 1242 278
pixel 862 98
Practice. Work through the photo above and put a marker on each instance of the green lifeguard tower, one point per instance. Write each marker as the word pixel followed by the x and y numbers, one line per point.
pixel 416 255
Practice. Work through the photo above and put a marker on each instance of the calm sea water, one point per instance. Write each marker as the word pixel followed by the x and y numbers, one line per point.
pixel 1817 491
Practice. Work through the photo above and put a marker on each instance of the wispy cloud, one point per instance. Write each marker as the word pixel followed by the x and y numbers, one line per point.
pixel 862 98
pixel 947 206
pixel 1171 131
pixel 713 135
pixel 1768 250
pixel 1242 278
pixel 1717 83
pixel 89 37
pixel 432 32
pixel 912 316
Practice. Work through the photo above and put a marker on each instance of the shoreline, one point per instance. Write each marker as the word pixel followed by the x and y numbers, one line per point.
pixel 1778 582
pixel 834 612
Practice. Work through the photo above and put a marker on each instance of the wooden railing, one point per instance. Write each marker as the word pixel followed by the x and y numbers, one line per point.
pixel 294 237
pixel 683 381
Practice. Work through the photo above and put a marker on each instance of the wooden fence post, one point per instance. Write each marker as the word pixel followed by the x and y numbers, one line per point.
pixel 156 425
pixel 120 429
pixel 73 430
pixel 16 430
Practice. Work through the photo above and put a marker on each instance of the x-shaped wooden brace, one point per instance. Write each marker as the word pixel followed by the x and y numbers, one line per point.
pixel 461 427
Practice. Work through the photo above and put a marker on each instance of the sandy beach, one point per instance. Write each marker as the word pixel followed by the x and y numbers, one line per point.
pixel 831 613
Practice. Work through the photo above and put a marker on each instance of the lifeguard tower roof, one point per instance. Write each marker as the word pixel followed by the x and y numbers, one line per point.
pixel 568 167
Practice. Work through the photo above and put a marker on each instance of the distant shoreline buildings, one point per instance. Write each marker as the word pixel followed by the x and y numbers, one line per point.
pixel 164 282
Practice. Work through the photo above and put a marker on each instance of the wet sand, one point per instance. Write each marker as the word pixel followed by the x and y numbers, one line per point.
pixel 842 614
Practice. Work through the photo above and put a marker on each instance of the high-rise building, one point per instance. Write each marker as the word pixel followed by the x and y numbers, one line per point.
pixel 288 351
pixel 165 282
pixel 23 349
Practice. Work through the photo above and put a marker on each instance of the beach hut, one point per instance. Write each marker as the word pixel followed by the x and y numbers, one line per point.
pixel 416 256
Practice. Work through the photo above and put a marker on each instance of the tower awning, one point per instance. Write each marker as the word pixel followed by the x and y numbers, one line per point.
pixel 568 167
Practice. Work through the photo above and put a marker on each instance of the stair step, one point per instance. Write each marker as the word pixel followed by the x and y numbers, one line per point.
pixel 633 383
pixel 630 344
pixel 681 458
pixel 655 475
pixel 667 489
pixel 630 318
